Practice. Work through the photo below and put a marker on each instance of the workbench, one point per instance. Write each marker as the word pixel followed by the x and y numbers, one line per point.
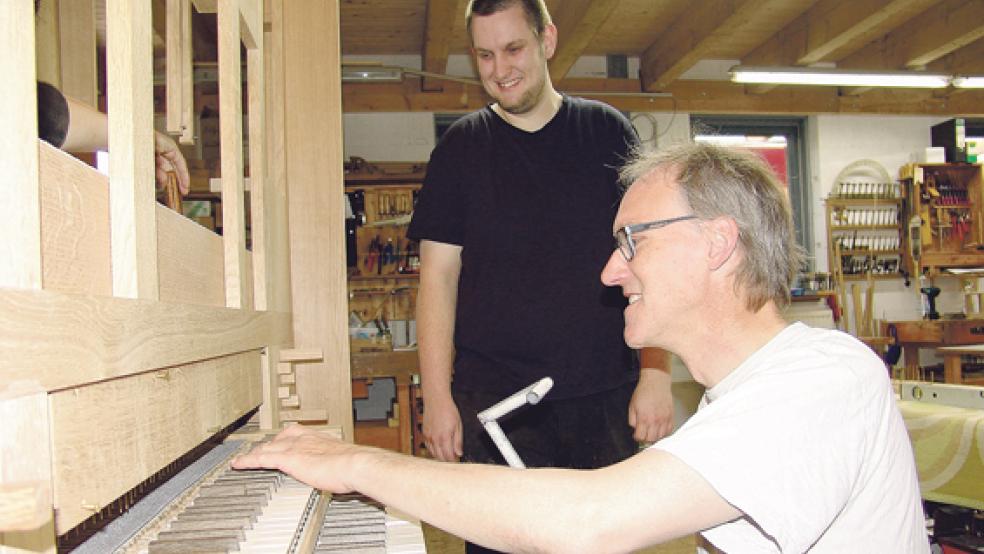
pixel 401 366
pixel 950 337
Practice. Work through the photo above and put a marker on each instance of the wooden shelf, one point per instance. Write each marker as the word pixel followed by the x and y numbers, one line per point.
pixel 862 252
pixel 835 228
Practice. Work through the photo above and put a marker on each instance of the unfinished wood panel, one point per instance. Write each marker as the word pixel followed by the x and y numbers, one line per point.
pixel 261 262
pixel 77 31
pixel 276 257
pixel 174 60
pixel 110 436
pixel 231 147
pixel 187 78
pixel 302 355
pixel 313 129
pixel 251 19
pixel 20 220
pixel 190 261
pixel 45 25
pixel 130 77
pixel 270 409
pixel 74 225
pixel 64 340
pixel 25 474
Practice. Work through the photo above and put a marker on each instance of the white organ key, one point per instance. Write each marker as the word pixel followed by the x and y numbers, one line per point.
pixel 275 527
pixel 403 534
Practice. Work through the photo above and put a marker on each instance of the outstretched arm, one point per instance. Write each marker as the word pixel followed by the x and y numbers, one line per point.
pixel 649 498
pixel 88 131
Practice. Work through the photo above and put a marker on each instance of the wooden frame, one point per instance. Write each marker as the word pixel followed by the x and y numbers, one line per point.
pixel 131 334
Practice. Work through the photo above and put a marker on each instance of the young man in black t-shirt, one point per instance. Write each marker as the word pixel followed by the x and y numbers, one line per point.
pixel 515 221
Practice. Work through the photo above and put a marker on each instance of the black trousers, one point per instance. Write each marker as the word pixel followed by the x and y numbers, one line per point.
pixel 581 433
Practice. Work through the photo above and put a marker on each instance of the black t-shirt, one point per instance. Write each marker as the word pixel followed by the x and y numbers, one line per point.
pixel 533 213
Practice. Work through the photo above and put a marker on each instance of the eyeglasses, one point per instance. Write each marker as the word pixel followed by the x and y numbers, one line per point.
pixel 623 236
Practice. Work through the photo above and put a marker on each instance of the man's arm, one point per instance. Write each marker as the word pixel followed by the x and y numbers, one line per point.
pixel 651 407
pixel 649 498
pixel 440 267
pixel 88 131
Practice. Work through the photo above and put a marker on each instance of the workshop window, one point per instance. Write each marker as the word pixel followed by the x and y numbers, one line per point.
pixel 780 142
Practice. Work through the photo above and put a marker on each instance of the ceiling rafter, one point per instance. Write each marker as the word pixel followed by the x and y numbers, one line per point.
pixel 828 29
pixel 438 29
pixel 693 36
pixel 936 32
pixel 577 24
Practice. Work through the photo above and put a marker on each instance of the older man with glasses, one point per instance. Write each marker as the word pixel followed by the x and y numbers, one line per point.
pixel 797 446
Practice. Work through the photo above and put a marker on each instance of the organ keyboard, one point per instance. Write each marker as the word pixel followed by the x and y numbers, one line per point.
pixel 259 512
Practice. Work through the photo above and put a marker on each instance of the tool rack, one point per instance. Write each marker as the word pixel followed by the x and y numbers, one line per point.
pixel 944 215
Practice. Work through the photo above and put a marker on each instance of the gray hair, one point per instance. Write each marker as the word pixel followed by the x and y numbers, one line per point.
pixel 735 183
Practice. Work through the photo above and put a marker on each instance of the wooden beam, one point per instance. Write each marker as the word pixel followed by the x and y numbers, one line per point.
pixel 938 31
pixel 64 340
pixel 687 96
pixel 692 37
pixel 231 149
pixel 20 197
pixel 577 25
pixel 129 53
pixel 829 30
pixel 967 60
pixel 313 129
pixel 441 16
pixel 77 30
pixel 832 29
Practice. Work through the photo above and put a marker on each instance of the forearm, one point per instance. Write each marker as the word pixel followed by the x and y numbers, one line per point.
pixel 511 510
pixel 436 303
pixel 87 128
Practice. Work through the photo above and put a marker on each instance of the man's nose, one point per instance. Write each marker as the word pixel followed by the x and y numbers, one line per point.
pixel 615 270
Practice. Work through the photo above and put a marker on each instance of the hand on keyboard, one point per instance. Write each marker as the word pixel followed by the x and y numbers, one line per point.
pixel 307 455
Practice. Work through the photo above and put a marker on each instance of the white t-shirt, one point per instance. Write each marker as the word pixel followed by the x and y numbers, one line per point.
pixel 804 438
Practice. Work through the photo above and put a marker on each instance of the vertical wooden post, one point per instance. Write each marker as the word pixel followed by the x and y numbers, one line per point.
pixel 275 192
pixel 187 77
pixel 174 65
pixel 231 148
pixel 313 129
pixel 130 76
pixel 26 514
pixel 20 208
pixel 269 378
pixel 77 30
pixel 252 12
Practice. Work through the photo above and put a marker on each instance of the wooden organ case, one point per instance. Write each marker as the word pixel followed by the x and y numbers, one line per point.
pixel 130 335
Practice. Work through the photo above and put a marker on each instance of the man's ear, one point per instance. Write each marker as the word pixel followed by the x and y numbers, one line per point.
pixel 722 234
pixel 549 40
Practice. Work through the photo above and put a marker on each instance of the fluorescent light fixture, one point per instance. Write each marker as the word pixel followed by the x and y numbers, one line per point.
pixel 968 81
pixel 837 77
pixel 371 74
